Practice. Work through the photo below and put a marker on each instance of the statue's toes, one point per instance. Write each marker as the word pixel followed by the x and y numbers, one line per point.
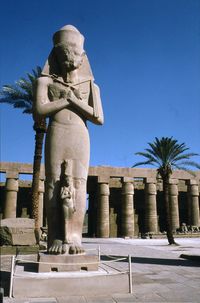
pixel 56 248
pixel 80 250
pixel 72 250
pixel 51 250
pixel 76 249
pixel 65 248
pixel 59 249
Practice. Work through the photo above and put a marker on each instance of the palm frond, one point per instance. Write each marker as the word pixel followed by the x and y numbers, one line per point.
pixel 28 111
pixel 22 104
pixel 37 72
pixel 153 154
pixel 184 156
pixel 167 153
pixel 190 163
pixel 149 157
pixel 20 94
pixel 155 149
pixel 31 78
pixel 11 91
pixel 144 163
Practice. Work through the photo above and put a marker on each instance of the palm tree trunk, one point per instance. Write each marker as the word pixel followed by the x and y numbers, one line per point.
pixel 170 236
pixel 40 129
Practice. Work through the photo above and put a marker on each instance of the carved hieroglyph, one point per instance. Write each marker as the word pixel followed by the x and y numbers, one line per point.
pixel 66 93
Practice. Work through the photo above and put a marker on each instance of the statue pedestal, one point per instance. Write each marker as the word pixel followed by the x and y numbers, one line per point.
pixel 63 263
pixel 29 283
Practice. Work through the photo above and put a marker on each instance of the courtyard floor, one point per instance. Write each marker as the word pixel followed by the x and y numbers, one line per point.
pixel 158 272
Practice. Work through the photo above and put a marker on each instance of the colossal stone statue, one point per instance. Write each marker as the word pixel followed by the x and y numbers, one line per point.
pixel 66 93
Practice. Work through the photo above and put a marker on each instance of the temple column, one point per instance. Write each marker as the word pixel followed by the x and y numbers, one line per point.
pixel 41 203
pixel 103 228
pixel 151 222
pixel 11 188
pixel 127 216
pixel 173 204
pixel 193 202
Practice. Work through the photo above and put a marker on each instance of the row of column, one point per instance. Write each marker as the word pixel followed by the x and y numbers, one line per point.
pixel 127 226
pixel 150 221
pixel 11 192
pixel 127 211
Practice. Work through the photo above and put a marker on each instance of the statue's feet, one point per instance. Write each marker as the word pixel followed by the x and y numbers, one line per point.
pixel 58 248
pixel 76 249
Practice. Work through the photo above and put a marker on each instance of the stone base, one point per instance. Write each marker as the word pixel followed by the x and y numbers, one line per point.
pixel 27 283
pixel 62 263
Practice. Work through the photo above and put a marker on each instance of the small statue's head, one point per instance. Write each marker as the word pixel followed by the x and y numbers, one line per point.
pixel 68 45
pixel 67 180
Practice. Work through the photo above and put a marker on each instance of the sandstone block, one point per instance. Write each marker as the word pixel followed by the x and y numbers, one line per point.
pixel 48 263
pixel 17 231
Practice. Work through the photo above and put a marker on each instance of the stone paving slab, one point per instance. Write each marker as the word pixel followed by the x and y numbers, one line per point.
pixel 159 274
pixel 75 299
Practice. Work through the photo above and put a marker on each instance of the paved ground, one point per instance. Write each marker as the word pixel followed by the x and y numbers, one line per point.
pixel 159 274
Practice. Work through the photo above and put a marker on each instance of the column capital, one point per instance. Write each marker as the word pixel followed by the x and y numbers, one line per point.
pixel 12 184
pixel 103 179
pixel 127 188
pixel 194 190
pixel 127 180
pixel 192 182
pixel 173 188
pixel 12 175
pixel 173 181
pixel 150 188
pixel 150 180
pixel 104 189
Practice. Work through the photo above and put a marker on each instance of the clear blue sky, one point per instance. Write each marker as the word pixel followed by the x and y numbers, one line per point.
pixel 145 56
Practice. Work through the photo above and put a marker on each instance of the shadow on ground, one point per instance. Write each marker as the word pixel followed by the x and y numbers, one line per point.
pixel 155 261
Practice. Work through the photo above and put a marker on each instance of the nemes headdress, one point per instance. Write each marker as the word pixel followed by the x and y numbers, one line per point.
pixel 68 33
pixel 65 34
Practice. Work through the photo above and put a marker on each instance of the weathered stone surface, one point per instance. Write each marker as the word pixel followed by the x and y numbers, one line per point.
pixel 57 263
pixel 18 222
pixel 19 250
pixel 41 286
pixel 17 231
pixel 25 168
pixel 66 92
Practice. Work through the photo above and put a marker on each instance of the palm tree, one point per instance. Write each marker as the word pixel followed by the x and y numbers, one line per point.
pixel 20 95
pixel 167 154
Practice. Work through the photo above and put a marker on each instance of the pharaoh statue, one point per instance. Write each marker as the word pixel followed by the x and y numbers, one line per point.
pixel 67 94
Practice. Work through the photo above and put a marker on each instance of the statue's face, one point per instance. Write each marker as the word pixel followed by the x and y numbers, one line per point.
pixel 68 180
pixel 69 55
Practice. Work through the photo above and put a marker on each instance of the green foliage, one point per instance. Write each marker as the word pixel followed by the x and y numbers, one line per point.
pixel 167 154
pixel 20 94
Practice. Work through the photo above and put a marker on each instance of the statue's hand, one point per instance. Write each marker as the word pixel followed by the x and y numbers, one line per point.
pixel 63 94
pixel 66 93
pixel 74 95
